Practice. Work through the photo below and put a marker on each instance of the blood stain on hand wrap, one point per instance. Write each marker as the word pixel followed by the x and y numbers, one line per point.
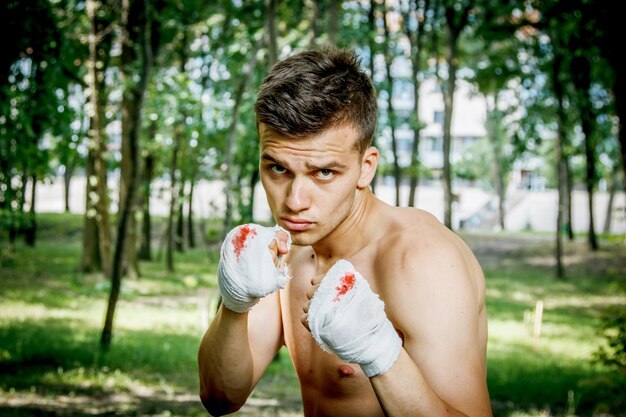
pixel 347 283
pixel 247 271
pixel 347 318
pixel 239 240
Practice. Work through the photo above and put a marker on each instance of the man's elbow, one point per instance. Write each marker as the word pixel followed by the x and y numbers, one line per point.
pixel 219 406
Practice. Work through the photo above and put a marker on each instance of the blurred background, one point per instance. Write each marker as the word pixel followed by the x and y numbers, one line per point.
pixel 128 147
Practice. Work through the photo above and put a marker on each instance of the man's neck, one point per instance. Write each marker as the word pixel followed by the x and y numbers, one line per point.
pixel 352 235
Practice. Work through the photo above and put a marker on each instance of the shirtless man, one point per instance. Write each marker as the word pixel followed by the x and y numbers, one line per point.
pixel 424 354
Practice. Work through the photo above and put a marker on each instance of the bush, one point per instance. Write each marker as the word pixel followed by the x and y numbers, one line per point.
pixel 613 354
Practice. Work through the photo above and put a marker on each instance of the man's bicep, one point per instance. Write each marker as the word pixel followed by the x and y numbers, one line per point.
pixel 441 329
pixel 265 334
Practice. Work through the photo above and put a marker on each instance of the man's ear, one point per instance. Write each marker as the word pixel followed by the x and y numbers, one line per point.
pixel 369 163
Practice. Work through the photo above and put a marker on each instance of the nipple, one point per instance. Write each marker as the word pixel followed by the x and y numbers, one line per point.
pixel 345 370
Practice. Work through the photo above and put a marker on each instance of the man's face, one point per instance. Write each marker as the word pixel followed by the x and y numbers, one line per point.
pixel 310 182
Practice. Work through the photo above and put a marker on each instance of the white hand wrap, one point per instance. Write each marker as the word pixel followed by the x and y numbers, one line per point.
pixel 246 271
pixel 347 318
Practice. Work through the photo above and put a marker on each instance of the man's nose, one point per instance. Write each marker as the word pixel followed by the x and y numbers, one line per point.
pixel 298 197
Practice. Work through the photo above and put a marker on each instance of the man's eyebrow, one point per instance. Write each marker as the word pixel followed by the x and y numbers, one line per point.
pixel 270 158
pixel 329 165
pixel 313 167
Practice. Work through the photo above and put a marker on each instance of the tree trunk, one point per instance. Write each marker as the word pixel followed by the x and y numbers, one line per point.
pixel 415 145
pixel 176 185
pixel 97 140
pixel 96 233
pixel 145 252
pixel 91 261
pixel 67 179
pixel 230 138
pixel 619 92
pixel 169 231
pixel 371 20
pixel 448 99
pixel 129 260
pixel 560 271
pixel 590 183
pixel 609 207
pixel 493 135
pixel 581 73
pixel 22 194
pixel 416 41
pixel 611 47
pixel 179 242
pixel 448 103
pixel 569 187
pixel 131 113
pixel 456 20
pixel 391 115
pixel 31 228
pixel 557 67
pixel 191 241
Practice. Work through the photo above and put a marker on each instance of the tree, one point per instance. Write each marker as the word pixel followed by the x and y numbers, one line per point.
pixel 34 78
pixel 607 28
pixel 99 29
pixel 457 13
pixel 495 53
pixel 414 21
pixel 148 172
pixel 230 137
pixel 139 23
pixel 391 114
pixel 179 136
pixel 558 88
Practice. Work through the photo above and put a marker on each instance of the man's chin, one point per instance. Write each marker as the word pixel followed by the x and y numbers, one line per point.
pixel 300 242
pixel 301 239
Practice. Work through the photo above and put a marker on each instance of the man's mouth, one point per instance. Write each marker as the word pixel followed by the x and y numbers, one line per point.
pixel 296 224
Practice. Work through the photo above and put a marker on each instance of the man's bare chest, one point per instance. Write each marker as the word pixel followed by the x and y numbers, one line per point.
pixel 317 370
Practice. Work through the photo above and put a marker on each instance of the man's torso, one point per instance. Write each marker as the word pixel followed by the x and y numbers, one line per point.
pixel 330 386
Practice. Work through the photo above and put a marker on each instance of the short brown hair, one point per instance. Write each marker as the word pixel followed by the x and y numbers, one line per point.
pixel 313 91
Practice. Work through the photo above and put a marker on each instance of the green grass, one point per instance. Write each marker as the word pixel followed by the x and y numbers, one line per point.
pixel 555 373
pixel 51 317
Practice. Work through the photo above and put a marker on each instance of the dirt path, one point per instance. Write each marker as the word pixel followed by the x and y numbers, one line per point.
pixel 505 250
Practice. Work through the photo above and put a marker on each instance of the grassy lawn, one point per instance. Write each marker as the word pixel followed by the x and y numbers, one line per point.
pixel 51 316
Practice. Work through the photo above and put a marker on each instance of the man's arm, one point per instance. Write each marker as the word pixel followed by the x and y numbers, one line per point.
pixel 234 353
pixel 438 307
pixel 247 330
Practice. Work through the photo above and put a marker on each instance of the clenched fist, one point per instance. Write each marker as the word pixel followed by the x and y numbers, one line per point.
pixel 250 265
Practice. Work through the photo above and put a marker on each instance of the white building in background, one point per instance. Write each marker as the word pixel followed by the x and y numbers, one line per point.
pixel 468 126
pixel 530 206
pixel 468 117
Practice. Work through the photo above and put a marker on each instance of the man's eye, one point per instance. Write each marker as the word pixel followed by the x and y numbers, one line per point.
pixel 325 174
pixel 277 169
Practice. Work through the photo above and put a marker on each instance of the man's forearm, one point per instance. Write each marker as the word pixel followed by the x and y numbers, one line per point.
pixel 403 391
pixel 225 363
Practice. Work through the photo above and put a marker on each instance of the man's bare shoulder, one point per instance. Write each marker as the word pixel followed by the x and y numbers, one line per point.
pixel 420 253
pixel 416 235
